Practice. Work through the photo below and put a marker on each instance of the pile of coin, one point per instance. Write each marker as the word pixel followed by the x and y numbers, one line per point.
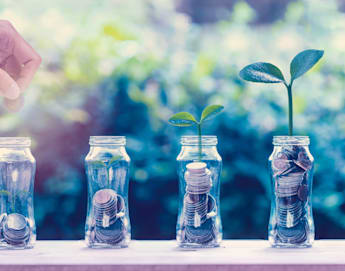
pixel 290 168
pixel 199 207
pixel 15 229
pixel 108 209
pixel 294 235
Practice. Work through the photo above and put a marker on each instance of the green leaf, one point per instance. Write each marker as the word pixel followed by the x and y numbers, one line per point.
pixel 114 159
pixel 262 72
pixel 183 119
pixel 97 164
pixel 303 62
pixel 210 111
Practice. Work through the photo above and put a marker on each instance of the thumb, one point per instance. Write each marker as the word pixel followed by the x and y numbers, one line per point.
pixel 8 87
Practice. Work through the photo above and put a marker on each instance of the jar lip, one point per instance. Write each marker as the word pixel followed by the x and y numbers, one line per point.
pixel 290 140
pixel 193 140
pixel 10 141
pixel 107 140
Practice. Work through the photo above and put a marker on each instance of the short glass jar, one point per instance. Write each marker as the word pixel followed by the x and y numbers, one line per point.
pixel 199 168
pixel 17 171
pixel 291 166
pixel 107 169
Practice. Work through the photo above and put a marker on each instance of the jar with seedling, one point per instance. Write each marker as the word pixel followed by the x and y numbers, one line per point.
pixel 199 167
pixel 291 163
pixel 107 167
pixel 17 171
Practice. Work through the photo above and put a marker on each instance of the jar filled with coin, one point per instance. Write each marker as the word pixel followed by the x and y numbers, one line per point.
pixel 199 167
pixel 107 168
pixel 17 170
pixel 291 165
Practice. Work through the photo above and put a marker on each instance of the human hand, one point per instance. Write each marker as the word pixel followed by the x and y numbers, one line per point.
pixel 18 65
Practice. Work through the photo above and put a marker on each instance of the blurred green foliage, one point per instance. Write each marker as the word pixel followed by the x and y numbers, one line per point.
pixel 123 67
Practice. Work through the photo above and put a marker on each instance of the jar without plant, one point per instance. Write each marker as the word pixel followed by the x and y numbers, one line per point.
pixel 107 168
pixel 291 165
pixel 17 171
pixel 199 167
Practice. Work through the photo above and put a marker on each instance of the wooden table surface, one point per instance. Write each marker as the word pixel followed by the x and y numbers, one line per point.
pixel 164 255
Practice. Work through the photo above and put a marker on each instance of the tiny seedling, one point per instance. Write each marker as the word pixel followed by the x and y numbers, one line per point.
pixel 262 72
pixel 101 164
pixel 98 164
pixel 185 119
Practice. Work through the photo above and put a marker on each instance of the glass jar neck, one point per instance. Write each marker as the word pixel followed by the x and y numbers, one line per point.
pixel 15 142
pixel 291 140
pixel 111 142
pixel 194 141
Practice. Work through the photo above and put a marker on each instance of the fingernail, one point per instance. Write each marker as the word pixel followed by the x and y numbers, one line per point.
pixel 12 92
pixel 14 105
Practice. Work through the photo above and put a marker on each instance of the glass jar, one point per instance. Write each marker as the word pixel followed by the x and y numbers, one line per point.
pixel 107 169
pixel 17 171
pixel 199 167
pixel 291 166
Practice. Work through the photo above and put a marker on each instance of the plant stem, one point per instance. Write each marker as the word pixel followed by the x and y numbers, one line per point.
pixel 290 110
pixel 199 141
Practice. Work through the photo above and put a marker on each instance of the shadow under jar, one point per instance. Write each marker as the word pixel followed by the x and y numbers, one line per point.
pixel 199 167
pixel 107 168
pixel 17 173
pixel 291 167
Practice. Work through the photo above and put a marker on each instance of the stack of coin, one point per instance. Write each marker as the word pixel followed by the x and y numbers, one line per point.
pixel 288 185
pixel 202 234
pixel 290 168
pixel 108 210
pixel 16 230
pixel 294 235
pixel 198 178
pixel 289 215
pixel 195 209
pixel 198 206
pixel 105 207
pixel 113 234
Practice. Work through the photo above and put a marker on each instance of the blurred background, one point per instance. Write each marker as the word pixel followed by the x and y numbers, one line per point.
pixel 113 67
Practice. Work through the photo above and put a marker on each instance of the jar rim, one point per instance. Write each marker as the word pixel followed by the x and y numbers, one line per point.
pixel 193 140
pixel 9 141
pixel 291 140
pixel 107 140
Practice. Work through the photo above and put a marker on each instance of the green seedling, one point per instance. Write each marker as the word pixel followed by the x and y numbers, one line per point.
pixel 262 72
pixel 185 119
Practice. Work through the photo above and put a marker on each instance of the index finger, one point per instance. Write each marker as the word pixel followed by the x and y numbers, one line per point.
pixel 27 57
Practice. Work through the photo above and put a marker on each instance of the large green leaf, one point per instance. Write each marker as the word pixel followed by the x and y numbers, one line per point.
pixel 303 62
pixel 210 111
pixel 262 72
pixel 183 119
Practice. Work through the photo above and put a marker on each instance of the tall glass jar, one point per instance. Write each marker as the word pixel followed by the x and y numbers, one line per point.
pixel 199 167
pixel 291 166
pixel 107 168
pixel 17 172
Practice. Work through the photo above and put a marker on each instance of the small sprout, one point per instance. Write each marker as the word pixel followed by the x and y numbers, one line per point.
pixel 100 164
pixel 97 164
pixel 185 119
pixel 262 72
pixel 114 159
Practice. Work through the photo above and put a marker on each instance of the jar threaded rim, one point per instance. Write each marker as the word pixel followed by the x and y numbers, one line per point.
pixel 291 140
pixel 15 142
pixel 107 140
pixel 206 140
